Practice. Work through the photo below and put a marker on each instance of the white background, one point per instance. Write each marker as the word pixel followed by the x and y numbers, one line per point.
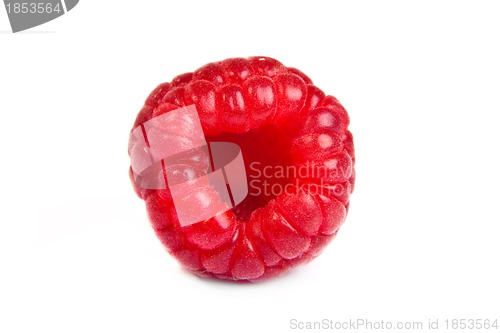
pixel 421 81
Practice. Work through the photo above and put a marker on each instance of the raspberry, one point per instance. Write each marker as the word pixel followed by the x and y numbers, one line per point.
pixel 299 160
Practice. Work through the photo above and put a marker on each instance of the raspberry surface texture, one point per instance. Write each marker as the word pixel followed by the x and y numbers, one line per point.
pixel 298 156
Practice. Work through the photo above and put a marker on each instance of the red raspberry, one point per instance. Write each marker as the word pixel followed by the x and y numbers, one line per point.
pixel 292 137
